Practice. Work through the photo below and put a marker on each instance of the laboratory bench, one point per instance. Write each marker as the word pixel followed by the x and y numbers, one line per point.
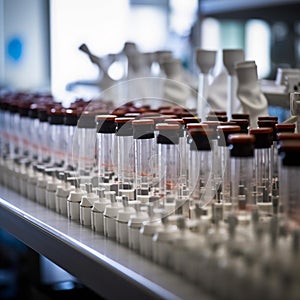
pixel 103 265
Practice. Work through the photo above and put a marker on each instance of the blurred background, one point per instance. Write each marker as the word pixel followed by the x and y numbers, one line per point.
pixel 39 41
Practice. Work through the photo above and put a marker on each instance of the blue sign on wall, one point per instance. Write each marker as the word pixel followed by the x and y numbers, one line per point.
pixel 14 49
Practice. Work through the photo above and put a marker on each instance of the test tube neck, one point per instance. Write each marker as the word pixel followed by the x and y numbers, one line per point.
pixel 125 201
pixel 232 222
pixel 181 224
pixel 89 188
pixel 296 242
pixel 113 199
pixel 100 193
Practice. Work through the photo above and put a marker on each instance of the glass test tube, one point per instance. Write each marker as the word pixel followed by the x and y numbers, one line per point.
pixel 270 121
pixel 14 121
pixel 43 135
pixel 182 150
pixel 224 161
pixel 200 165
pixel 56 128
pixel 33 132
pixel 216 165
pixel 154 162
pixel 5 115
pixel 85 143
pixel 107 147
pixel 189 127
pixel 143 134
pixel 2 126
pixel 188 121
pixel 241 160
pixel 168 160
pixel 70 122
pixel 24 126
pixel 289 173
pixel 262 171
pixel 124 134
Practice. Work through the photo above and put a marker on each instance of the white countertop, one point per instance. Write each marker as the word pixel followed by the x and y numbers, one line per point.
pixel 103 265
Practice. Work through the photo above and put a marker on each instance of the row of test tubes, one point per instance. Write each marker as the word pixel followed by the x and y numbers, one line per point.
pixel 191 195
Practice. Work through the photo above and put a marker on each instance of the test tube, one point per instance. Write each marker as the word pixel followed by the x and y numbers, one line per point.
pixel 224 161
pixel 33 132
pixel 124 134
pixel 70 122
pixel 216 165
pixel 14 124
pixel 106 144
pixel 262 171
pixel 24 126
pixel 85 143
pixel 43 135
pixel 56 128
pixel 183 151
pixel 270 121
pixel 189 140
pixel 241 160
pixel 200 165
pixel 289 173
pixel 168 161
pixel 143 134
pixel 5 130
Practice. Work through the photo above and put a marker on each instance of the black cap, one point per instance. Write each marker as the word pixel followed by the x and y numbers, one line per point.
pixel 289 151
pixel 124 126
pixel 263 137
pixel 106 124
pixel 24 109
pixel 70 117
pixel 224 132
pixel 87 120
pixel 56 116
pixel 33 111
pixel 168 133
pixel 143 129
pixel 241 145
pixel 268 123
pixel 200 139
pixel 243 123
pixel 42 114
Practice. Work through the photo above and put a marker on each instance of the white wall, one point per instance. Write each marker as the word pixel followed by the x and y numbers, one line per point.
pixel 26 21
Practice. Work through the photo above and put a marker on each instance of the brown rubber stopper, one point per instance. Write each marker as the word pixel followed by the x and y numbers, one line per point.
pixel 190 126
pixel 106 117
pixel 142 122
pixel 229 128
pixel 174 121
pixel 123 120
pixel 164 126
pixel 288 136
pixel 241 138
pixel 261 130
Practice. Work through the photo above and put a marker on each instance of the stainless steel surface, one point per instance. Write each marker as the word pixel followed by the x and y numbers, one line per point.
pixel 108 268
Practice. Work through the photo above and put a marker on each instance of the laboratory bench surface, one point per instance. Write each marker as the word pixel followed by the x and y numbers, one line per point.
pixel 103 265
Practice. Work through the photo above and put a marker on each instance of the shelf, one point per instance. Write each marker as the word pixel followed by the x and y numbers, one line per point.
pixel 103 265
